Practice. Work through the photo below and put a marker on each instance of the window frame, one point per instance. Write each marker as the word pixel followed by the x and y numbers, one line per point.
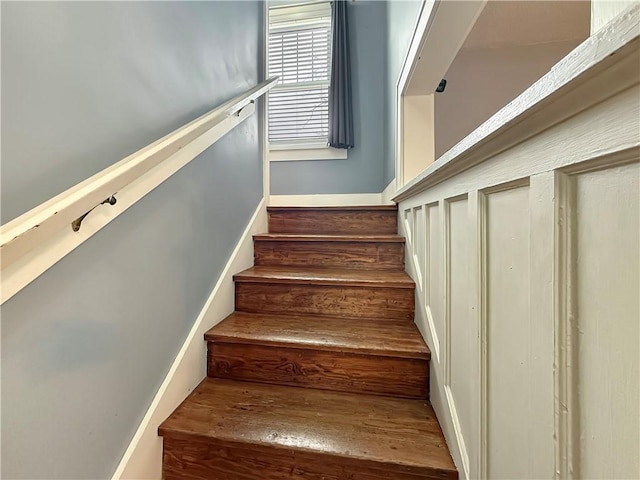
pixel 301 150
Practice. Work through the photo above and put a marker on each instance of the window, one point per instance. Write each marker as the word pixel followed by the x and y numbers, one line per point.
pixel 300 54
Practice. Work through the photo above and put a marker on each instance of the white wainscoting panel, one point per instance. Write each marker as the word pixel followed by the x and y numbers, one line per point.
pixel 461 330
pixel 515 386
pixel 435 282
pixel 607 266
pixel 418 242
pixel 527 267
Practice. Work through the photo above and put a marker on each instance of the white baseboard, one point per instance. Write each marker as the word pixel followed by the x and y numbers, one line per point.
pixel 388 193
pixel 143 457
pixel 325 200
pixel 333 200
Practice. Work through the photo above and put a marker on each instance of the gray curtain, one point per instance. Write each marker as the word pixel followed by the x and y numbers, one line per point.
pixel 340 117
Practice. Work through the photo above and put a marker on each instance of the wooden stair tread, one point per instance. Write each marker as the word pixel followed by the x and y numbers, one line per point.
pixel 389 433
pixel 326 276
pixel 287 237
pixel 351 208
pixel 358 335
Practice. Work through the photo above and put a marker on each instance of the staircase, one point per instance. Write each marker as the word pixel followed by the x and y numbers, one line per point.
pixel 320 373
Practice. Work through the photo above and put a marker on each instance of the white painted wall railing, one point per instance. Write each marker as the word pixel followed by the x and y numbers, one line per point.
pixel 33 242
pixel 524 241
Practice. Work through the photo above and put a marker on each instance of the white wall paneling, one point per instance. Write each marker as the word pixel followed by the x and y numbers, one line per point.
pixel 604 367
pixel 507 362
pixel 419 247
pixel 460 332
pixel 434 287
pixel 514 279
pixel 527 262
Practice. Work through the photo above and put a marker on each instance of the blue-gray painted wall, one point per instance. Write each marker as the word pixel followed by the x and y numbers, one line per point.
pixel 402 16
pixel 380 34
pixel 86 346
pixel 362 171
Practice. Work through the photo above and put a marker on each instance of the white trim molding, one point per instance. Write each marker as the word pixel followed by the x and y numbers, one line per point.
pixel 297 153
pixel 266 167
pixel 326 200
pixel 143 457
pixel 388 193
pixel 335 199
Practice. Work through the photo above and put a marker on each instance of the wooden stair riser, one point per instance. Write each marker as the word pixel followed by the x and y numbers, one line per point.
pixel 348 255
pixel 322 369
pixel 195 458
pixel 334 222
pixel 337 300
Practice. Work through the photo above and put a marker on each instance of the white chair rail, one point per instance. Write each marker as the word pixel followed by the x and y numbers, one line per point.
pixel 36 240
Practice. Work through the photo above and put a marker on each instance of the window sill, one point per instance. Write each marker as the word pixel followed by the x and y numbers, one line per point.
pixel 296 154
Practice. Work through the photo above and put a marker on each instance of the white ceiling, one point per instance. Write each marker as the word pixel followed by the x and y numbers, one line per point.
pixel 517 22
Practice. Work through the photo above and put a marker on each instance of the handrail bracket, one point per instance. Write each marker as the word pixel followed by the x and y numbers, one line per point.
pixel 77 223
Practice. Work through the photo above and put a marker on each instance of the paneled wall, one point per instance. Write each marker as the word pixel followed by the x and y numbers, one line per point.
pixel 527 269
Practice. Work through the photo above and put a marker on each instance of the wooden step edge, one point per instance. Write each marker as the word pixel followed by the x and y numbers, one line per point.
pixel 214 337
pixel 352 208
pixel 325 282
pixel 289 277
pixel 344 317
pixel 291 237
pixel 434 473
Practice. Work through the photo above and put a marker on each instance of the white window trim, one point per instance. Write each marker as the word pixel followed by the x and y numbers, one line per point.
pixel 294 152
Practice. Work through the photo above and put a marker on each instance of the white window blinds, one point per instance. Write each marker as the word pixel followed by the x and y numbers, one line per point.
pixel 300 54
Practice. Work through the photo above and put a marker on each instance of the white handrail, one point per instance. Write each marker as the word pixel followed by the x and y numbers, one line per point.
pixel 36 240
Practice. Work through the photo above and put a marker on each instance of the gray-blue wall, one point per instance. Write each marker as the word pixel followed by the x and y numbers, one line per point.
pixel 402 16
pixel 362 171
pixel 85 346
pixel 380 34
